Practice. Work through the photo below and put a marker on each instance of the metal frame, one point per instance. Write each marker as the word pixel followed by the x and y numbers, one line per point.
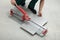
pixel 31 24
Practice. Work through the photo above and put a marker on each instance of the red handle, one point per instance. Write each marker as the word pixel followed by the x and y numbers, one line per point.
pixel 25 15
pixel 20 9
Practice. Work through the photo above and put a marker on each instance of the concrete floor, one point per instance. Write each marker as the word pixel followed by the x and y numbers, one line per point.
pixel 10 29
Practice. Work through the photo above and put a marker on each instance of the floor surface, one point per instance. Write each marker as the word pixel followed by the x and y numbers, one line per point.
pixel 10 28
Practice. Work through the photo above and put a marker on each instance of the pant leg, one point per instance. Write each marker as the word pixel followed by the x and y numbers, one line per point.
pixel 20 2
pixel 32 4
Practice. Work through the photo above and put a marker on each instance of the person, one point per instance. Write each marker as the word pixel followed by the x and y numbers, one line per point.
pixel 31 5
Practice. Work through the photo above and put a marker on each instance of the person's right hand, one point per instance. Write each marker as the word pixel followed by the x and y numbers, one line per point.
pixel 13 2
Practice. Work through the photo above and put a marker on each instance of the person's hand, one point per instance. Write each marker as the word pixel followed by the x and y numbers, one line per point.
pixel 40 14
pixel 26 17
pixel 13 2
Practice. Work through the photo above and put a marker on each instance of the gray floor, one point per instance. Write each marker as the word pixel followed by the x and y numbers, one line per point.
pixel 10 28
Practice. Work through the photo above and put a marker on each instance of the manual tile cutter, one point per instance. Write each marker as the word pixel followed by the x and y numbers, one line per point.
pixel 29 25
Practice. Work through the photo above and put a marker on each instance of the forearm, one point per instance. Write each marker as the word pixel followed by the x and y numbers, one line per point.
pixel 41 4
pixel 13 2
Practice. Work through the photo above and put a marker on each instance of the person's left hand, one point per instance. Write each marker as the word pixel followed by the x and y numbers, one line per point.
pixel 40 14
